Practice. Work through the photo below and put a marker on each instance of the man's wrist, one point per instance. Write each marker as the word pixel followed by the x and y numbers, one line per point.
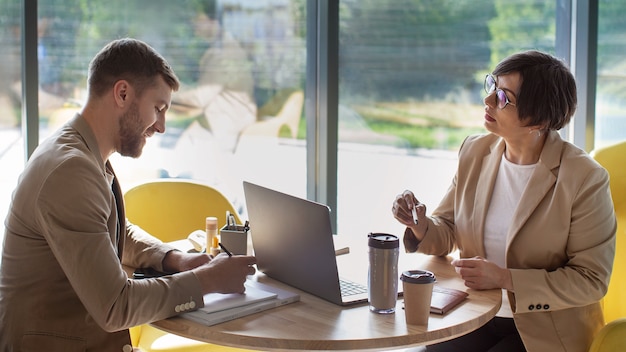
pixel 171 261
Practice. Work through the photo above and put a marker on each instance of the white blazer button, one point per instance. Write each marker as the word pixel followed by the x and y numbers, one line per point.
pixel 177 309
pixel 192 304
pixel 186 306
pixel 127 348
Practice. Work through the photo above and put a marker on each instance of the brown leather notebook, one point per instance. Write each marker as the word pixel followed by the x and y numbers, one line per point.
pixel 444 299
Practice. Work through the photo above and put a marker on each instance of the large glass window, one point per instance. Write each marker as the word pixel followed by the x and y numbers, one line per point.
pixel 411 77
pixel 410 89
pixel 611 84
pixel 238 113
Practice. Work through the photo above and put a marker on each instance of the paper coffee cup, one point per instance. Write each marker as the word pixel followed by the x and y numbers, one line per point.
pixel 418 291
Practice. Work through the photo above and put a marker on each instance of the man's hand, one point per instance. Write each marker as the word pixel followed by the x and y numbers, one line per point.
pixel 221 274
pixel 225 274
pixel 481 274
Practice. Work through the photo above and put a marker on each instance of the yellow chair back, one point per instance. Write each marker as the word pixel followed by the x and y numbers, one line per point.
pixel 170 209
pixel 613 159
pixel 612 337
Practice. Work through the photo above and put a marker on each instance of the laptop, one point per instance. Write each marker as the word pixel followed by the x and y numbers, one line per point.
pixel 293 243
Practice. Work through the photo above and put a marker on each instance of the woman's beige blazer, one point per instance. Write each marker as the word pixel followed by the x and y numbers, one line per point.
pixel 561 238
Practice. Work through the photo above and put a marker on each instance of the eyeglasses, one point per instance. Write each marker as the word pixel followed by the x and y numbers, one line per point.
pixel 501 99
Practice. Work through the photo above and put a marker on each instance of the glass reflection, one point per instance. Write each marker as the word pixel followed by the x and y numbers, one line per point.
pixel 239 111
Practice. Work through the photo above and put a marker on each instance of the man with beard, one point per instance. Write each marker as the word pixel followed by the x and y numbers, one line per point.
pixel 62 283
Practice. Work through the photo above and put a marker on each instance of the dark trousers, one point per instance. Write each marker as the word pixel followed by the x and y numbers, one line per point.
pixel 498 335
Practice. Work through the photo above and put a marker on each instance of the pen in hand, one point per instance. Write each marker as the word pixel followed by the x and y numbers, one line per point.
pixel 414 212
pixel 225 250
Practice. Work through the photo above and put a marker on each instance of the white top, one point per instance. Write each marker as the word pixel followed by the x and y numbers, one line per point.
pixel 510 184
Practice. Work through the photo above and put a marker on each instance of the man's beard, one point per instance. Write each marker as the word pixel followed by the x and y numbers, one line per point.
pixel 132 133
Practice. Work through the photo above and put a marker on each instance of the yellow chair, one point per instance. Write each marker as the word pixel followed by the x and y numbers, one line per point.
pixel 170 209
pixel 613 159
pixel 612 337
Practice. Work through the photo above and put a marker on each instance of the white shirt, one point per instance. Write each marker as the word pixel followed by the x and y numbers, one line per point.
pixel 510 183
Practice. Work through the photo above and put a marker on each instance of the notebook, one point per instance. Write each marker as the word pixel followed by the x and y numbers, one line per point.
pixel 444 299
pixel 293 243
pixel 219 308
pixel 214 302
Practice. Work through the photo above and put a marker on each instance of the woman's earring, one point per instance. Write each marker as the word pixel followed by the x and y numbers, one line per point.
pixel 530 130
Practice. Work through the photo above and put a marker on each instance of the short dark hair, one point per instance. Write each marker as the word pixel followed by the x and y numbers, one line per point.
pixel 547 96
pixel 131 60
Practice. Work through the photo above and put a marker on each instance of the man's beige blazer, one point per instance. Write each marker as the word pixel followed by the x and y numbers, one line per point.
pixel 62 285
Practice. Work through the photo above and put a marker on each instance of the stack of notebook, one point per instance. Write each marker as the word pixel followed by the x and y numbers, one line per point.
pixel 219 308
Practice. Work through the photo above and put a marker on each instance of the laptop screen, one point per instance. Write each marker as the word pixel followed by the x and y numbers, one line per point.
pixel 292 241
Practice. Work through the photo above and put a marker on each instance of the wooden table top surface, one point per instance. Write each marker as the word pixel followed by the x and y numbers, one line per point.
pixel 316 324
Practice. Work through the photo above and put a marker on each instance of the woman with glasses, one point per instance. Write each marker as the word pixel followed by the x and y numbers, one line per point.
pixel 530 214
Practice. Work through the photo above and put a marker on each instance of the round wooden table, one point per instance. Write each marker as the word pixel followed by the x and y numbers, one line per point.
pixel 315 324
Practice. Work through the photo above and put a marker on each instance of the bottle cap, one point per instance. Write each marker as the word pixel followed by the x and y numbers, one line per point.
pixel 211 223
pixel 383 240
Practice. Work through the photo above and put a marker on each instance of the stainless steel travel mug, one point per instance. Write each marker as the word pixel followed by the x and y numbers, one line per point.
pixel 383 272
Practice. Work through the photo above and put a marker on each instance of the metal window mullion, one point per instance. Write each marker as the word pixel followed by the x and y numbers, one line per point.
pixel 30 78
pixel 584 53
pixel 563 42
pixel 322 102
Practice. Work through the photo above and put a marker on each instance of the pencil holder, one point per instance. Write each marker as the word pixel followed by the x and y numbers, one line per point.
pixel 235 238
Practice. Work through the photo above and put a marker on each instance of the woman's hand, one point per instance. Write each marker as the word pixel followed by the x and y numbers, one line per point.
pixel 404 207
pixel 481 274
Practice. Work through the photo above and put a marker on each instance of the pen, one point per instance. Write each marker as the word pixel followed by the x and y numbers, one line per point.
pixel 231 224
pixel 414 212
pixel 226 250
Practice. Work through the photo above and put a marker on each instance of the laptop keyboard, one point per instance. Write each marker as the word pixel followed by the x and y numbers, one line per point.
pixel 349 288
